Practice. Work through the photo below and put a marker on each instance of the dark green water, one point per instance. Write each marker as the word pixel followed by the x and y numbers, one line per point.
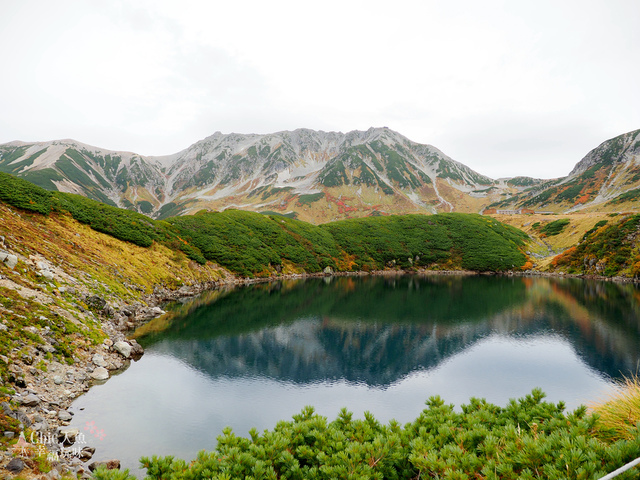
pixel 251 356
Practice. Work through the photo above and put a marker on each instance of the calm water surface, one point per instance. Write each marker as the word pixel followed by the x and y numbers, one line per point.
pixel 251 356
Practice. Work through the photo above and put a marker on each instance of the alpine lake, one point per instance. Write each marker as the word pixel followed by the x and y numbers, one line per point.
pixel 250 356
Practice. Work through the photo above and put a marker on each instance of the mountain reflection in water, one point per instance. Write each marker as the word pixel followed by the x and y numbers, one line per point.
pixel 251 356
pixel 377 330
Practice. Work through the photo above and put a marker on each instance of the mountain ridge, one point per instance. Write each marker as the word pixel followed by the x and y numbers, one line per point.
pixel 607 179
pixel 315 175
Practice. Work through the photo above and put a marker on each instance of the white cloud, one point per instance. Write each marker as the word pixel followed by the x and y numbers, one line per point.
pixel 505 87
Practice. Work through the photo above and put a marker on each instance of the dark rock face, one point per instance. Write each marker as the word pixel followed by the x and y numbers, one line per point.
pixel 16 465
pixel 96 302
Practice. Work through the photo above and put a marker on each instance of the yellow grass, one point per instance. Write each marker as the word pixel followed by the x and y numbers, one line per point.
pixel 104 264
pixel 620 414
pixel 551 246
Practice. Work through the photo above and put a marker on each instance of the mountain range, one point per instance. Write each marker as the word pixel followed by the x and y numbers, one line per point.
pixel 319 176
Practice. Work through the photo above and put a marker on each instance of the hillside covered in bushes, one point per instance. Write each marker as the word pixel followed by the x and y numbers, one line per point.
pixel 610 248
pixel 251 244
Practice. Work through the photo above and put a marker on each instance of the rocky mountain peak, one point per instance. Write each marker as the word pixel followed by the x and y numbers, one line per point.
pixel 320 176
pixel 609 152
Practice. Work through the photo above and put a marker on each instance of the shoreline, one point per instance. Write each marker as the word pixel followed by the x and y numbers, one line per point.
pixel 43 401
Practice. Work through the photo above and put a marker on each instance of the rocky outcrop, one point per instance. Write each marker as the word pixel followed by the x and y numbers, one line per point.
pixel 123 348
pixel 100 373
pixel 15 465
pixel 265 167
pixel 9 260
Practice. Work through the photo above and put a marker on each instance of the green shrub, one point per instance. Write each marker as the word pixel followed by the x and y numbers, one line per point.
pixel 117 222
pixel 595 228
pixel 613 245
pixel 310 198
pixel 552 228
pixel 145 207
pixel 23 194
pixel 629 196
pixel 251 244
pixel 527 439
pixel 101 473
pixel 468 241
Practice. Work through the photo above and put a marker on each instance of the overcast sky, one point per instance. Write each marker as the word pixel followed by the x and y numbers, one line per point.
pixel 505 87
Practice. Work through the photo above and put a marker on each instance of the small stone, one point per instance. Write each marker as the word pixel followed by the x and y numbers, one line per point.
pixel 47 348
pixel 22 418
pixel 67 435
pixel 147 313
pixel 16 465
pixel 46 274
pixel 99 360
pixel 11 261
pixel 53 475
pixel 30 400
pixel 100 373
pixel 108 342
pixel 28 359
pixel 58 380
pixel 96 302
pixel 40 426
pixel 9 434
pixel 123 348
pixel 65 416
pixel 86 453
pixel 136 348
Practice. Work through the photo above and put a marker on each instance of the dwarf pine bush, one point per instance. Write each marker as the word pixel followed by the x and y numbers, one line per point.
pixel 527 439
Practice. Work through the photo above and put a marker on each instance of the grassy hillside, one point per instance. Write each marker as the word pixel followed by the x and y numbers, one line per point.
pixel 610 248
pixel 251 244
pixel 446 240
pixel 550 235
pixel 85 263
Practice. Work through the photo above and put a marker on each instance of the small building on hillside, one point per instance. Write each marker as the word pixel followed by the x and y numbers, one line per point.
pixel 521 211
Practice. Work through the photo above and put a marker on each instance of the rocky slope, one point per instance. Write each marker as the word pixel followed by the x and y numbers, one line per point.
pixel 67 294
pixel 607 179
pixel 319 176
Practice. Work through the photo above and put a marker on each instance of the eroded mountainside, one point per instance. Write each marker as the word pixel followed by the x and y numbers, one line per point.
pixel 321 177
pixel 607 179
pixel 318 176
